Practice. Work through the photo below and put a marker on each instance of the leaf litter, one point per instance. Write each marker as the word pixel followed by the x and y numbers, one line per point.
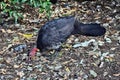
pixel 83 58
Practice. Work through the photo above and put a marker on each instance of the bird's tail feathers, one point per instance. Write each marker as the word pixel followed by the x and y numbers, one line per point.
pixel 92 29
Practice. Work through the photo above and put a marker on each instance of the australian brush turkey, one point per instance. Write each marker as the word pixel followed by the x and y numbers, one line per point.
pixel 55 32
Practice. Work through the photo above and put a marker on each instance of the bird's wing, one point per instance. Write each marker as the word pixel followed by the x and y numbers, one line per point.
pixel 55 32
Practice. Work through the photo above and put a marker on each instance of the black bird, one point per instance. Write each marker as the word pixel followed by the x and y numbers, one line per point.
pixel 55 32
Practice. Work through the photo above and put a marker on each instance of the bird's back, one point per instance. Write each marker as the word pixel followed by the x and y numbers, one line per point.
pixel 54 32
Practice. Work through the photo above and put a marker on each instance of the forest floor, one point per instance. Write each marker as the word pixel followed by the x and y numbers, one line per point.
pixel 81 58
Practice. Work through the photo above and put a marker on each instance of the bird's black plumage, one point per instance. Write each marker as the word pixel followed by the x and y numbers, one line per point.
pixel 55 32
pixel 92 29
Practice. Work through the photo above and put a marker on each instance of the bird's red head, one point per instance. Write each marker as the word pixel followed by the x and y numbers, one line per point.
pixel 33 52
